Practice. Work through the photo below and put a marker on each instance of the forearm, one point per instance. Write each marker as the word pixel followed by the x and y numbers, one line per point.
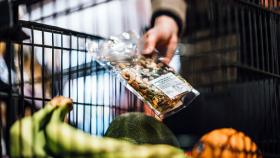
pixel 173 8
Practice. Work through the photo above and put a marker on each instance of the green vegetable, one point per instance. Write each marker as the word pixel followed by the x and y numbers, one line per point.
pixel 141 129
pixel 45 134
pixel 66 141
pixel 26 135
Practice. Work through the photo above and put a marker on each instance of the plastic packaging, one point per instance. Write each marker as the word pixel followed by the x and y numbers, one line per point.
pixel 155 83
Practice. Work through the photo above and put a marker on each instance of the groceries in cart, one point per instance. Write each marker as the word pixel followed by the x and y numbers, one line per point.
pixel 45 134
pixel 151 80
pixel 225 143
pixel 139 128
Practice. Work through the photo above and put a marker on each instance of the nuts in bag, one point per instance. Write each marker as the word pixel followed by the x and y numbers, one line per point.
pixel 152 81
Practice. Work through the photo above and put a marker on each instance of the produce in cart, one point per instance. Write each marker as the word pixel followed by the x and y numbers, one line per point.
pixel 44 134
pixel 226 143
pixel 141 129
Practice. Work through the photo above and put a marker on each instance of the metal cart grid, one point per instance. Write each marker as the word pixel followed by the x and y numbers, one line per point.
pixel 252 65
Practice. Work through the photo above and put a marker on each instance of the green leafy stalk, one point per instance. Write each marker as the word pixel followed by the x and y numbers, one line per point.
pixel 45 134
pixel 66 141
pixel 26 135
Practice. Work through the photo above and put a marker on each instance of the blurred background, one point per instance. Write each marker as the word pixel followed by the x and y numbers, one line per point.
pixel 98 17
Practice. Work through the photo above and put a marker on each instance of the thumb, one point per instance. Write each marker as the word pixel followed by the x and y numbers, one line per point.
pixel 165 60
pixel 150 41
pixel 171 47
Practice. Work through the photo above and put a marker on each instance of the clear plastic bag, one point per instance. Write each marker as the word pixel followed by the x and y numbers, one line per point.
pixel 154 82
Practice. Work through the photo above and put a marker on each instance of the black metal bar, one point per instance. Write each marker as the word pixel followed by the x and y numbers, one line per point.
pixel 269 46
pixel 91 102
pixel 10 106
pixel 43 69
pixel 251 50
pixel 244 40
pixel 238 32
pixel 266 44
pixel 115 96
pixel 32 84
pixel 97 101
pixel 120 97
pixel 77 83
pixel 21 104
pixel 55 29
pixel 69 74
pixel 272 44
pixel 70 65
pixel 52 47
pixel 230 29
pixel 61 65
pixel 103 102
pixel 262 41
pixel 84 92
pixel 16 95
pixel 110 96
pixel 52 69
pixel 256 39
pixel 21 82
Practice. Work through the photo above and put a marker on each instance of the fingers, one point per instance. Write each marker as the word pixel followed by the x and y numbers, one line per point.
pixel 171 47
pixel 150 41
pixel 164 39
pixel 149 112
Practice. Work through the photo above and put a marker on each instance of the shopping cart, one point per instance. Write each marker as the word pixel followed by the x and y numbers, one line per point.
pixel 231 56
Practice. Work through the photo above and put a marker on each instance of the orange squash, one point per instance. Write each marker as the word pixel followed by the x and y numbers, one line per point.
pixel 225 143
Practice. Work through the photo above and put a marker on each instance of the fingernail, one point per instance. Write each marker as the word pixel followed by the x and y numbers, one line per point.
pixel 164 60
pixel 148 51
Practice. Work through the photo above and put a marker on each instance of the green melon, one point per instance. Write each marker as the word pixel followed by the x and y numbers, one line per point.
pixel 140 129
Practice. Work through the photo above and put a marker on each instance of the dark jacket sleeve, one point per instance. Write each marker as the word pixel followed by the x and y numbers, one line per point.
pixel 174 8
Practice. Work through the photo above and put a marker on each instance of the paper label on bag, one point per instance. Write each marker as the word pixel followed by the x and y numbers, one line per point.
pixel 170 85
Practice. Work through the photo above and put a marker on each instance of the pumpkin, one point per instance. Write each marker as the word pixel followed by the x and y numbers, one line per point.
pixel 225 143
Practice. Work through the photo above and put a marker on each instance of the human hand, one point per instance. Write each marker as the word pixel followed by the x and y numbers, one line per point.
pixel 163 37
